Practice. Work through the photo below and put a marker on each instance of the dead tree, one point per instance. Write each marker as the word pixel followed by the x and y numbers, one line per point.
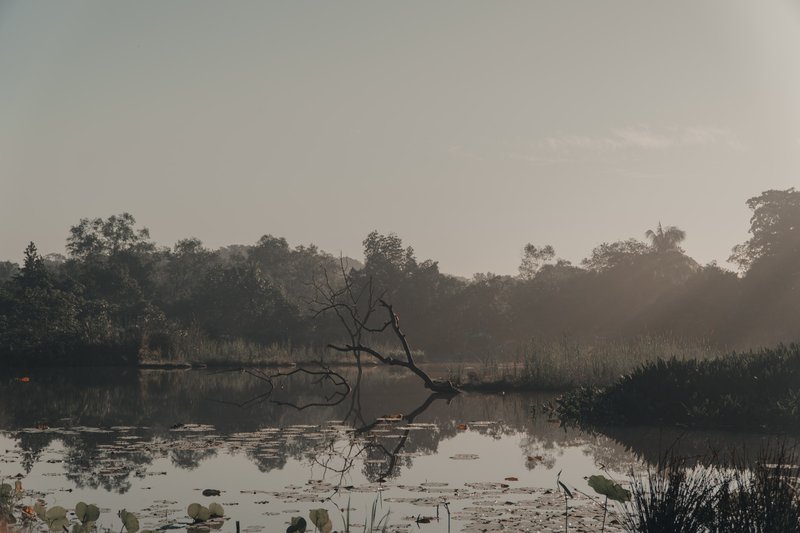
pixel 356 308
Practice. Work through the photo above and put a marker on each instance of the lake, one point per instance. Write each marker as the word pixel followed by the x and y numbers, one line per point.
pixel 151 441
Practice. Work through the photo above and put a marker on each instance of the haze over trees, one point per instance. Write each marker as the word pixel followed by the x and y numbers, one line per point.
pixel 117 295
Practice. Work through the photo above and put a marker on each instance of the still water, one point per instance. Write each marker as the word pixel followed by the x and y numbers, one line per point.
pixel 151 441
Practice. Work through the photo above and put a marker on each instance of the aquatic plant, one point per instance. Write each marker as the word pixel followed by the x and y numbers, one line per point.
pixel 198 513
pixel 56 518
pixel 88 515
pixel 297 525
pixel 673 499
pixel 760 498
pixel 216 510
pixel 564 490
pixel 7 504
pixel 606 487
pixel 129 521
pixel 728 498
pixel 374 523
pixel 321 520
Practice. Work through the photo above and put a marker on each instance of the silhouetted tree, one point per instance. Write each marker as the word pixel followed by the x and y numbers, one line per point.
pixel 614 255
pixel 666 239
pixel 7 270
pixel 775 228
pixel 533 259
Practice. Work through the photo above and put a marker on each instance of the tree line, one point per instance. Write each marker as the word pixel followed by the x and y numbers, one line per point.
pixel 116 293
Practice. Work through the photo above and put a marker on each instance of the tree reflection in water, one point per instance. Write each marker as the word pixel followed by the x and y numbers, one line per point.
pixel 113 425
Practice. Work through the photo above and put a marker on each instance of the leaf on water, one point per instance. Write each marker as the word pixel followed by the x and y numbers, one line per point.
pixel 320 518
pixel 130 521
pixel 58 524
pixel 39 508
pixel 605 487
pixel 55 512
pixel 297 525
pixel 216 510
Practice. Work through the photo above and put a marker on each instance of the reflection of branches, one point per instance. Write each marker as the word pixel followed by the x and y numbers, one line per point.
pixel 325 375
pixel 409 419
pixel 360 443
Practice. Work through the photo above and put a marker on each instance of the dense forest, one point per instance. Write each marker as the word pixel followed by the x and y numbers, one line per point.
pixel 117 297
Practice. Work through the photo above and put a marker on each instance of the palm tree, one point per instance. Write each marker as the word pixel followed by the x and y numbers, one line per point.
pixel 666 239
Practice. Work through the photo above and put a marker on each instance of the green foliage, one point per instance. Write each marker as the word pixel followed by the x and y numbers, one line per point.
pixel 216 510
pixel 320 519
pixel 753 390
pixel 297 525
pixel 606 487
pixel 373 522
pixel 6 504
pixel 40 510
pixel 87 512
pixel 666 239
pixel 533 259
pixel 672 499
pixel 129 521
pixel 117 298
pixel 735 498
pixel 198 513
pixel 56 518
pixel 775 228
pixel 109 237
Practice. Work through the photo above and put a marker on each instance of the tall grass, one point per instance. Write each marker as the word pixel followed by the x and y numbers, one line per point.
pixel 718 499
pixel 672 500
pixel 193 346
pixel 565 363
pixel 374 522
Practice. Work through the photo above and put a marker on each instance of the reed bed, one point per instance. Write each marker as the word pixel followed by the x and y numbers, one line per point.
pixel 567 363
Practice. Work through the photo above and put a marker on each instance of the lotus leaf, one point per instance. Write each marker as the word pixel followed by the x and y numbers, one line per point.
pixel 216 509
pixel 39 508
pixel 320 518
pixel 606 487
pixel 298 525
pixel 130 522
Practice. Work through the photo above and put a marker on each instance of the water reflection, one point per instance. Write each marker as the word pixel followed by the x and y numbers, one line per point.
pixel 118 432
pixel 113 422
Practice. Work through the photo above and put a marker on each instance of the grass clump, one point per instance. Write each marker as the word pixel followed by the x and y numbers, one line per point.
pixel 759 498
pixel 755 390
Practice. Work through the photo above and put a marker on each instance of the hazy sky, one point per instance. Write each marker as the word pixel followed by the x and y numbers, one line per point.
pixel 469 128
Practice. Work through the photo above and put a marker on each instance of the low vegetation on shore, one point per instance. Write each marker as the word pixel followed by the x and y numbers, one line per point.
pixel 567 363
pixel 755 390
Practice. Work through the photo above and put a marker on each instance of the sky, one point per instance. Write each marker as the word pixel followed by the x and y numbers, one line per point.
pixel 468 128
